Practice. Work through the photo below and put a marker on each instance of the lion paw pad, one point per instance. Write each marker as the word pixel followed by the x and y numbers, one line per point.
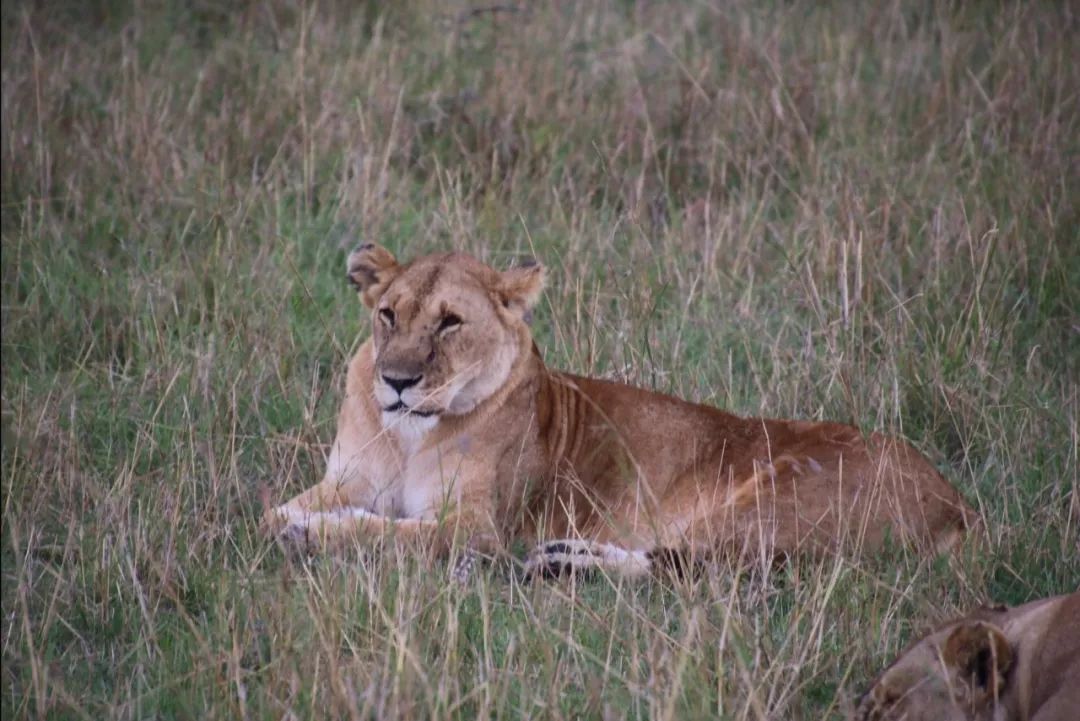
pixel 463 568
pixel 556 559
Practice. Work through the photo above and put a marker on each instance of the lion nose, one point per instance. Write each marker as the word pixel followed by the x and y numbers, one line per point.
pixel 400 384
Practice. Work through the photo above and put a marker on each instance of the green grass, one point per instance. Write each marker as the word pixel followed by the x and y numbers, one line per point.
pixel 839 210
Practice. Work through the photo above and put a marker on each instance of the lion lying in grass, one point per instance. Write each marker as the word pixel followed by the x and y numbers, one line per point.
pixel 998 664
pixel 453 428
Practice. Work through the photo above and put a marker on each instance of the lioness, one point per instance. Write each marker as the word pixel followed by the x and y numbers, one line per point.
pixel 452 427
pixel 998 664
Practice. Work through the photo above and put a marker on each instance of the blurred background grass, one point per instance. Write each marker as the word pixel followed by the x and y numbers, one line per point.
pixel 858 211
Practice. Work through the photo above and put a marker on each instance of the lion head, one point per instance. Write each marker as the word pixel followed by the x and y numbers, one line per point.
pixel 447 329
pixel 955 674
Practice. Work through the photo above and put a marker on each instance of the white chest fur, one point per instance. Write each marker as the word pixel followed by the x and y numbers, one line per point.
pixel 430 483
pixel 410 430
pixel 394 474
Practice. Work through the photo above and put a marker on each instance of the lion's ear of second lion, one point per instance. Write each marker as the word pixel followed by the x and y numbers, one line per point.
pixel 979 651
pixel 370 269
pixel 521 287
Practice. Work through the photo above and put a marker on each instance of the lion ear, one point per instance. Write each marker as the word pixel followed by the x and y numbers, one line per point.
pixel 520 287
pixel 980 654
pixel 370 269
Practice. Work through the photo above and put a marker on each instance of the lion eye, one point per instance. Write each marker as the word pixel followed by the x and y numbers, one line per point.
pixel 387 317
pixel 448 322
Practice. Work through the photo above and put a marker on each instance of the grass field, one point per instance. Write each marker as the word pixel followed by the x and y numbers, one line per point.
pixel 865 212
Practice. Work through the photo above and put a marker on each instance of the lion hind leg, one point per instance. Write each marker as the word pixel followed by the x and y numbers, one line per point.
pixel 553 559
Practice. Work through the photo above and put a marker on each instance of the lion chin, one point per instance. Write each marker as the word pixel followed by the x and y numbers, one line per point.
pixel 454 431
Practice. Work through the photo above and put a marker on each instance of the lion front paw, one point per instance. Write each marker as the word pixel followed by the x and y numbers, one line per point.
pixel 297 539
pixel 294 535
pixel 273 521
pixel 290 530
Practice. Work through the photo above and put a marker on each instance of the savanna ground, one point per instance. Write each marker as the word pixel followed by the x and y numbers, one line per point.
pixel 856 211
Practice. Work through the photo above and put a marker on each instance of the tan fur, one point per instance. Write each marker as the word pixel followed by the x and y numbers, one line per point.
pixel 514 450
pixel 1019 664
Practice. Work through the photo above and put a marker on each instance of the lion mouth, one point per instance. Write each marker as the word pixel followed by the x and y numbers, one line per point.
pixel 400 407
